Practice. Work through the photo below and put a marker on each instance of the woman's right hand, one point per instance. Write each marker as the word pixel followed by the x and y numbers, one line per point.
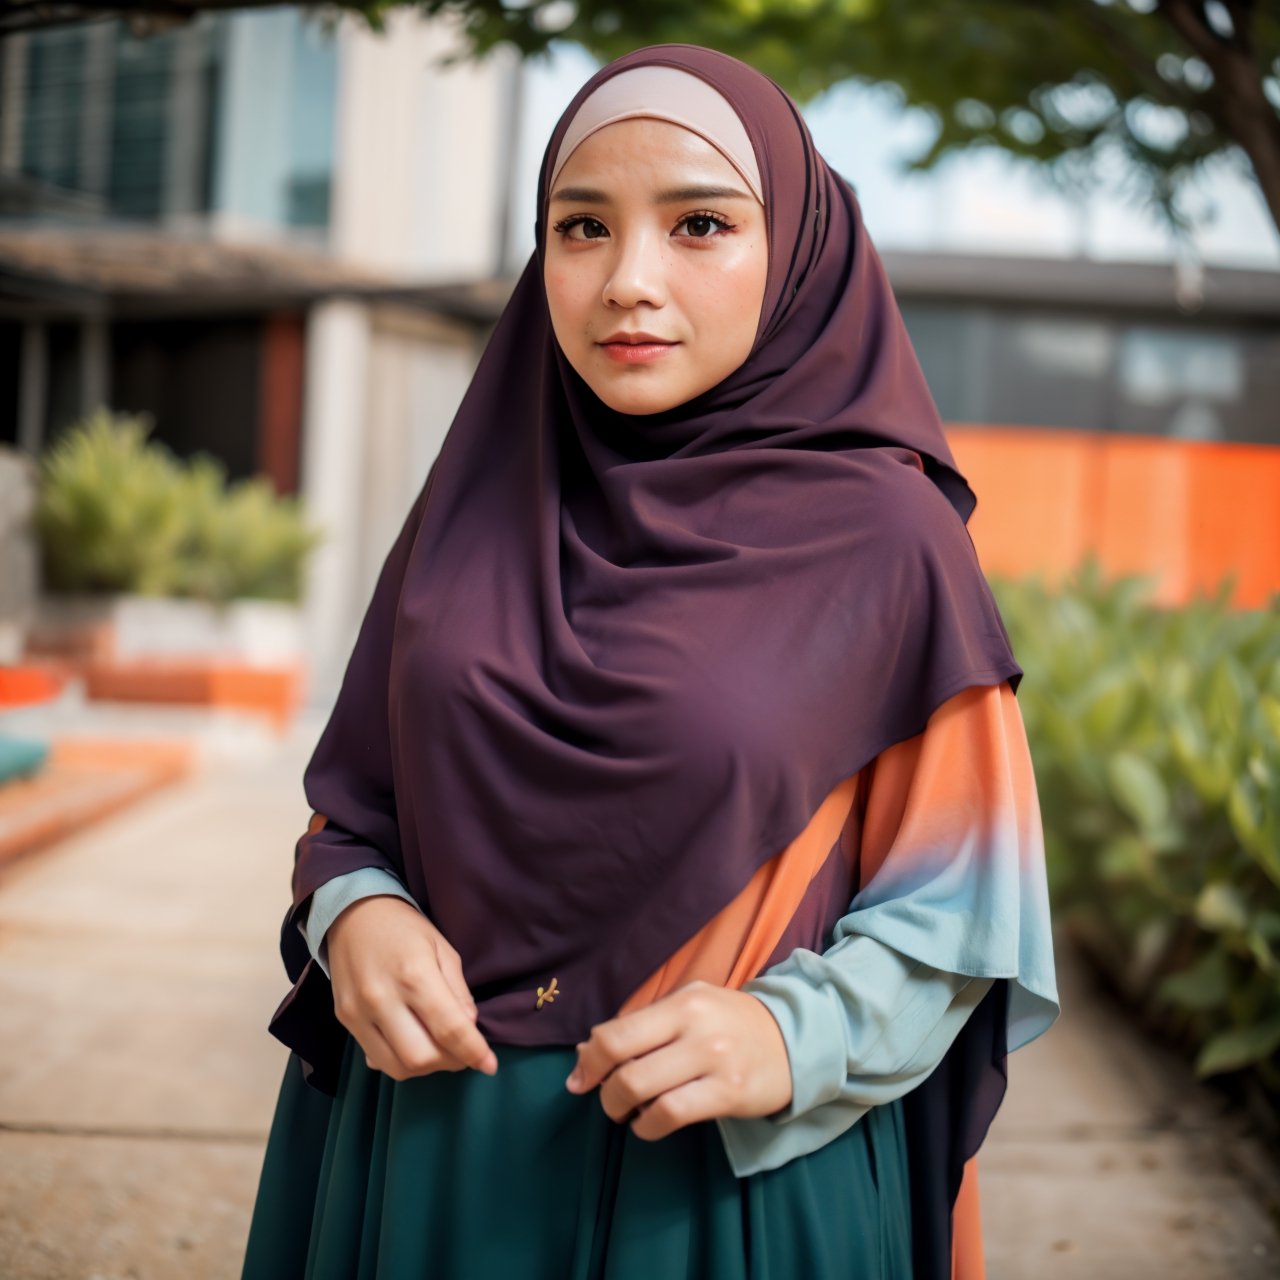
pixel 398 988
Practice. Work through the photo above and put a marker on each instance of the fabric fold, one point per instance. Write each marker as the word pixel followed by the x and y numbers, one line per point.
pixel 616 662
pixel 359 823
pixel 957 876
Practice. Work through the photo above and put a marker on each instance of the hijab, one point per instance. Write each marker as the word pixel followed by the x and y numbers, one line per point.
pixel 614 663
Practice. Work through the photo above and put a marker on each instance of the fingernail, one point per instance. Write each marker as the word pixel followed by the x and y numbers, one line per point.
pixel 490 1067
pixel 573 1082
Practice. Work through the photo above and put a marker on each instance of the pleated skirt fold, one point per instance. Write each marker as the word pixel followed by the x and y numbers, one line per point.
pixel 462 1176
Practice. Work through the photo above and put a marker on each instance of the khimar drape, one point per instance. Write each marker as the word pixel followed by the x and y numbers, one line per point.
pixel 614 663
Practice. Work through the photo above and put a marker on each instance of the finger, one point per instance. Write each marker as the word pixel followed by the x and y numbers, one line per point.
pixel 450 1026
pixel 378 1054
pixel 416 1053
pixel 451 969
pixel 617 1041
pixel 643 1079
pixel 686 1104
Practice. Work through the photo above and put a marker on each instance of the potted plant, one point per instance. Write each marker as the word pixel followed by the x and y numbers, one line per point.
pixel 160 573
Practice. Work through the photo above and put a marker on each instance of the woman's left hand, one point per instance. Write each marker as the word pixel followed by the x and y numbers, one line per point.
pixel 700 1051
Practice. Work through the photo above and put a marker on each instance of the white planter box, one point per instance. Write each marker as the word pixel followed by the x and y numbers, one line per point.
pixel 257 632
pixel 13 638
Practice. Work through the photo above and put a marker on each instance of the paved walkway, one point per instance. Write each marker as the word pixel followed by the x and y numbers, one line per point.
pixel 138 968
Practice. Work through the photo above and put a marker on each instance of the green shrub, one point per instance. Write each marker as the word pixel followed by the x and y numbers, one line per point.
pixel 1156 738
pixel 242 539
pixel 117 513
pixel 109 513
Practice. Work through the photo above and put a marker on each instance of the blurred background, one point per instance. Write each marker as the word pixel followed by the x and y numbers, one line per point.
pixel 249 256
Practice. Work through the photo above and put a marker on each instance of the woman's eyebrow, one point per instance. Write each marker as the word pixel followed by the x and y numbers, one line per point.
pixel 677 195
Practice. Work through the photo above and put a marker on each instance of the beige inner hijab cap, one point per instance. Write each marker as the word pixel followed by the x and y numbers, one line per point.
pixel 685 100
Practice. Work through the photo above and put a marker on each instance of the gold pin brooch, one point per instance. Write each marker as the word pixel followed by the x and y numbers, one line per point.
pixel 548 993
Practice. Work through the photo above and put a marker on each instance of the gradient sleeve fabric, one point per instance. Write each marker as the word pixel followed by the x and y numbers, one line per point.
pixel 898 1018
pixel 863 1024
pixel 953 896
pixel 954 873
pixel 866 1021
pixel 333 897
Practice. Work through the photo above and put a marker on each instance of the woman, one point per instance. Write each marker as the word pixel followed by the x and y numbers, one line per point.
pixel 675 890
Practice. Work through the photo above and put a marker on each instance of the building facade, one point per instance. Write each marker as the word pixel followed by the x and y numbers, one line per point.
pixel 213 223
pixel 286 239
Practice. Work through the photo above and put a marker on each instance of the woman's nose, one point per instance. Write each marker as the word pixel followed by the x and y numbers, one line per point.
pixel 638 274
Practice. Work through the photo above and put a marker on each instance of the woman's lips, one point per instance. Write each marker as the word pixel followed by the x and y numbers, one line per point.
pixel 636 352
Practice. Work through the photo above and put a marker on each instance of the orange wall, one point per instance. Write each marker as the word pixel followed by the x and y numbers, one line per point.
pixel 1186 511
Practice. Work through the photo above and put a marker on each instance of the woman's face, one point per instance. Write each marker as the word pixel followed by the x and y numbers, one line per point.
pixel 656 260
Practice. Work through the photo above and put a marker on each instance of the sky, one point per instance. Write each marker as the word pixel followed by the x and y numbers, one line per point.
pixel 981 201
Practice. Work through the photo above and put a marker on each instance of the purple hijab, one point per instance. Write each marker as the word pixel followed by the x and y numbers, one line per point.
pixel 613 664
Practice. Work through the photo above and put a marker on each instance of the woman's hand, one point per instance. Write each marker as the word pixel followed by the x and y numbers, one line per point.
pixel 398 988
pixel 700 1051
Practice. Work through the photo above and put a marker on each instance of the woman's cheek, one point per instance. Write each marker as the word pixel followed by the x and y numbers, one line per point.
pixel 563 280
pixel 723 294
pixel 744 291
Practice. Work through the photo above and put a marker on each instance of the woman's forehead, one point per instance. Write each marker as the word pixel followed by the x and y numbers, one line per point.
pixel 668 94
pixel 662 158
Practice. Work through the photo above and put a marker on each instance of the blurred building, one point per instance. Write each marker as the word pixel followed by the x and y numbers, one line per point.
pixel 287 240
pixel 1141 348
pixel 216 222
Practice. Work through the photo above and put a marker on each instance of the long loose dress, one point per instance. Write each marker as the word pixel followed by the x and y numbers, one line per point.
pixel 916 892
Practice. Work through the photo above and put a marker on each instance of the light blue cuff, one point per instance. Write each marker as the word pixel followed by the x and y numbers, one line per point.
pixel 336 895
pixel 863 1025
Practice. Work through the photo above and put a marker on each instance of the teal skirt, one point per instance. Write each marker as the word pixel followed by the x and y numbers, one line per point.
pixel 463 1176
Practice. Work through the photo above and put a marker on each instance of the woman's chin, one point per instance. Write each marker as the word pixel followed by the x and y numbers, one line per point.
pixel 641 400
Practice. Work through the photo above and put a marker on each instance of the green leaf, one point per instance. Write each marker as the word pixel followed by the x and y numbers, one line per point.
pixel 1220 907
pixel 1110 705
pixel 1138 789
pixel 1239 1047
pixel 1244 808
pixel 1205 985
pixel 1259 771
pixel 1262 952
pixel 1123 858
pixel 1270 708
pixel 1267 923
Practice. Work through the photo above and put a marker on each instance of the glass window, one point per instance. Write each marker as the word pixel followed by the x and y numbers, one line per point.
pixel 1195 383
pixel 1048 370
pixel 139 124
pixel 54 102
pixel 311 125
pixel 1013 366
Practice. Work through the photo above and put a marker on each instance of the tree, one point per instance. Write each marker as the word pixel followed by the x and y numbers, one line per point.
pixel 1170 84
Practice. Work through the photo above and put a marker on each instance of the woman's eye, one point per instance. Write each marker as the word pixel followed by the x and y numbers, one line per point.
pixel 701 226
pixel 582 229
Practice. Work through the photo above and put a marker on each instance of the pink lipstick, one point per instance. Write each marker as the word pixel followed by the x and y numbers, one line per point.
pixel 635 348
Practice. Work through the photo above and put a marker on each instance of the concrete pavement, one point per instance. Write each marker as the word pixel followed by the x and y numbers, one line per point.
pixel 138 968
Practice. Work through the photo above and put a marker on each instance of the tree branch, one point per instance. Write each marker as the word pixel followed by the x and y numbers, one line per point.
pixel 1134 58
pixel 1237 101
pixel 1186 18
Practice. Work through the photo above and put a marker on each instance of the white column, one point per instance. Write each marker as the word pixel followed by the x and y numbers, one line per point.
pixel 417 150
pixel 337 359
pixel 184 141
